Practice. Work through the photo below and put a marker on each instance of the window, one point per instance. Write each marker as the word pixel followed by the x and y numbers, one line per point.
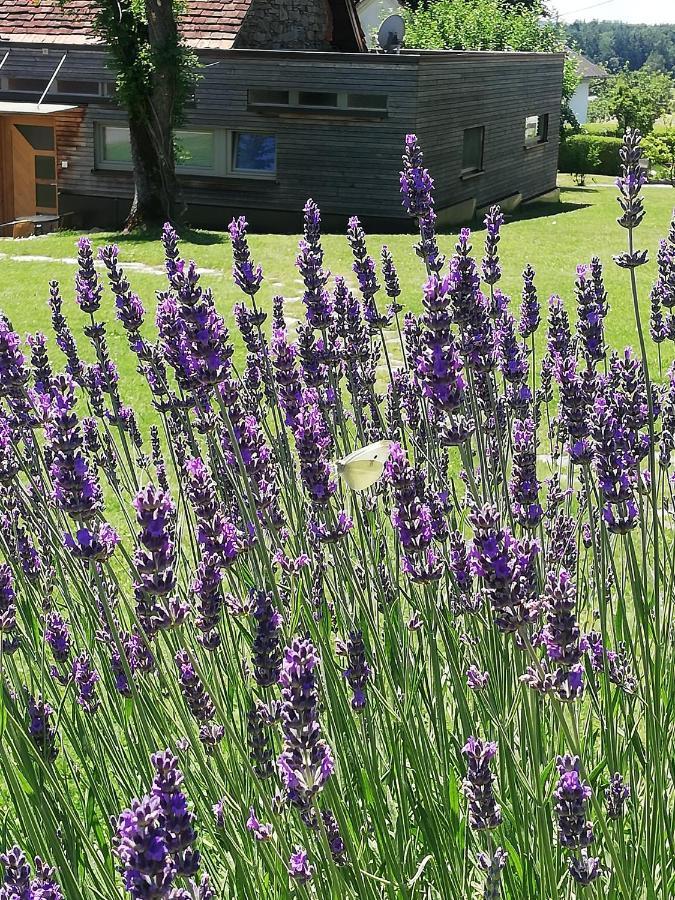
pixel 319 102
pixel 254 153
pixel 78 88
pixel 209 151
pixel 114 147
pixel 472 150
pixel 40 137
pixel 262 97
pixel 317 98
pixel 195 150
pixel 367 101
pixel 536 129
pixel 27 85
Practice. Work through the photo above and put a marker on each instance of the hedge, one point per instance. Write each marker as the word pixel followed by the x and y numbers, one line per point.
pixel 590 147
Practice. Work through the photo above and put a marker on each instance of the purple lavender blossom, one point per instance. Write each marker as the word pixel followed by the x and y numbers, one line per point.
pixel 178 821
pixel 562 637
pixel 261 831
pixel 616 795
pixel 475 679
pixel 490 268
pixel 85 679
pixel 416 183
pixel 484 811
pixel 584 869
pixel 87 288
pixel 530 316
pixel 154 558
pixel 366 273
pixel 336 845
pixel 40 730
pixel 141 846
pixel 306 762
pixel 9 633
pixel 299 867
pixel 310 264
pixel 194 693
pixel 571 806
pixel 57 636
pixel 630 182
pixel 266 644
pixel 247 276
pixel 559 334
pixel 314 443
pixel 16 881
pixel 524 484
pixel 260 746
pixel 492 866
pixel 358 671
pixel 591 311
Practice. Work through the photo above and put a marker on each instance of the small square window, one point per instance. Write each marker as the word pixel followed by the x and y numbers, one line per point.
pixel 195 150
pixel 264 97
pixel 254 153
pixel 536 129
pixel 472 149
pixel 317 98
pixel 45 168
pixel 115 146
pixel 45 196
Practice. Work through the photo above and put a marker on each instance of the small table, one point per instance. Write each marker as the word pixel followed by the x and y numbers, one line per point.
pixel 39 220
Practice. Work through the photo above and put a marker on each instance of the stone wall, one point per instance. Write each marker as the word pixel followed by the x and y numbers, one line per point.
pixel 287 25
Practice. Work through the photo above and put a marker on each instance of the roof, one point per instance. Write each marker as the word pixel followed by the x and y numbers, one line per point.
pixel 206 24
pixel 586 68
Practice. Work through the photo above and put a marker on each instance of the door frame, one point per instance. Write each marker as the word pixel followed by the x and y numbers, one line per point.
pixel 7 121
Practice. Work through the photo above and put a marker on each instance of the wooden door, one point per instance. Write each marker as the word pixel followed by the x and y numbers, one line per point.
pixel 33 163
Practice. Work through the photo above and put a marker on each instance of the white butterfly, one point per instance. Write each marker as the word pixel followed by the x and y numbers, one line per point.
pixel 364 466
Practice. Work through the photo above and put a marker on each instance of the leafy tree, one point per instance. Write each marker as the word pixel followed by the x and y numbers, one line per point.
pixel 618 44
pixel 635 99
pixel 481 25
pixel 156 74
pixel 659 147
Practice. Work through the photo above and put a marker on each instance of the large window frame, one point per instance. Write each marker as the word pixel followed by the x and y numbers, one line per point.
pixel 224 149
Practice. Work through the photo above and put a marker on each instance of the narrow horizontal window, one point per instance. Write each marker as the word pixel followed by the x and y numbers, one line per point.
pixel 317 98
pixel 195 150
pixel 472 149
pixel 27 85
pixel 79 88
pixel 254 153
pixel 263 97
pixel 367 101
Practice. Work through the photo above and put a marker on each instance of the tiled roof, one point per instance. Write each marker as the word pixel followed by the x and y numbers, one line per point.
pixel 586 68
pixel 206 22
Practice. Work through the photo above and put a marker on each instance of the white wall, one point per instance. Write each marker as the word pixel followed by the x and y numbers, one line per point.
pixel 579 101
pixel 372 14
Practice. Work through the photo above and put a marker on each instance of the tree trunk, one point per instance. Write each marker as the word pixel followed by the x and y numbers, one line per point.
pixel 151 125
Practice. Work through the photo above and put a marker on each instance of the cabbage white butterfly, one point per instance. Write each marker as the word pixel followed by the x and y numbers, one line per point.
pixel 364 466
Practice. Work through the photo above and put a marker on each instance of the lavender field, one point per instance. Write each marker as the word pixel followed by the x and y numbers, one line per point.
pixel 354 618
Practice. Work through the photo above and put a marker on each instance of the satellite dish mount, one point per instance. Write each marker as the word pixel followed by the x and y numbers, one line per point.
pixel 391 34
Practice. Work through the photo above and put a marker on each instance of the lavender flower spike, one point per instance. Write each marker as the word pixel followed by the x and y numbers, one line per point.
pixel 306 762
pixel 572 795
pixel 484 811
pixel 358 672
pixel 416 183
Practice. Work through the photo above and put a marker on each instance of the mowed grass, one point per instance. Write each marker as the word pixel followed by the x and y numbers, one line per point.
pixel 553 238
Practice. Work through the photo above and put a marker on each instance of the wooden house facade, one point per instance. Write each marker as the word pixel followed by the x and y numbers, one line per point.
pixel 315 115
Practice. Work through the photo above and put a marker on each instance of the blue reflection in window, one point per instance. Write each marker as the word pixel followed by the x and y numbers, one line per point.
pixel 255 152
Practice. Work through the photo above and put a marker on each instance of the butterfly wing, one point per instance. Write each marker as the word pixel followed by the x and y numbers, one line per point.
pixel 360 474
pixel 364 466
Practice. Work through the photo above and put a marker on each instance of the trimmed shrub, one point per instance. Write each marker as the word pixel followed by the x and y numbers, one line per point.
pixel 590 154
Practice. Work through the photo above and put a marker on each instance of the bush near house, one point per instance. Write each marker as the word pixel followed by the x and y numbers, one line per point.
pixel 590 154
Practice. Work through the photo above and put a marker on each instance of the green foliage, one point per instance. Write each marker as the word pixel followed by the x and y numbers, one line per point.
pixel 585 154
pixel 123 27
pixel 637 99
pixel 570 81
pixel 618 44
pixel 481 25
pixel 659 147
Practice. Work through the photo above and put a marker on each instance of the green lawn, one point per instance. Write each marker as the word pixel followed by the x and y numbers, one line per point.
pixel 554 238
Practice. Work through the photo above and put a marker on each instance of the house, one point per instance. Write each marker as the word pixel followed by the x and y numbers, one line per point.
pixel 587 72
pixel 372 14
pixel 289 105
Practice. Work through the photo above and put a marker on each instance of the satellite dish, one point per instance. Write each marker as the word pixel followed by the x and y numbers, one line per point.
pixel 391 34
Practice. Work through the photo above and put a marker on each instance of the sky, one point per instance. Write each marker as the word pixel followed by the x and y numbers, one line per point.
pixel 651 12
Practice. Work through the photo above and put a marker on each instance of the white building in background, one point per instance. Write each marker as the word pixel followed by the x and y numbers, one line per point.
pixel 587 72
pixel 372 14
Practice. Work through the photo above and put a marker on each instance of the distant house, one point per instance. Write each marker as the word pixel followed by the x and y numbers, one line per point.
pixel 587 72
pixel 290 105
pixel 372 14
